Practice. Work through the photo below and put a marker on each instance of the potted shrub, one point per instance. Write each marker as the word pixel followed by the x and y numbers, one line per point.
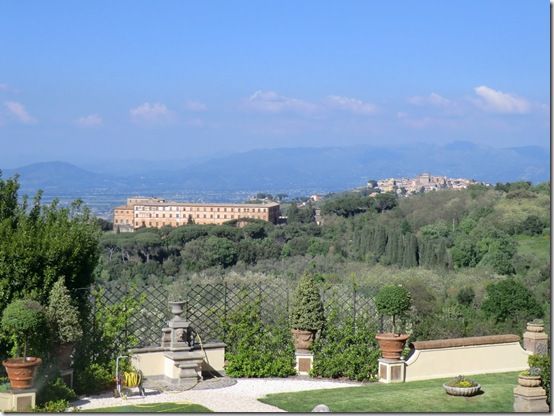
pixel 23 319
pixel 394 301
pixel 461 386
pixel 307 313
pixel 530 377
pixel 63 318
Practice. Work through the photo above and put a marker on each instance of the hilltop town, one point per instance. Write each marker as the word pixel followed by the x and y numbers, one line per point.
pixel 424 182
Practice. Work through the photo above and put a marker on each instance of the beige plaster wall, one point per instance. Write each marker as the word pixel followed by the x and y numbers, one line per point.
pixel 150 363
pixel 466 360
pixel 214 359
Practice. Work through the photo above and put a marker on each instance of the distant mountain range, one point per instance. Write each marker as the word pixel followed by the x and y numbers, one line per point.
pixel 295 170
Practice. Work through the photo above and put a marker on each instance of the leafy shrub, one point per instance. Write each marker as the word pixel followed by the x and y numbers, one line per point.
pixel 346 349
pixel 533 372
pixel 55 406
pixel 393 300
pixel 22 319
pixel 542 361
pixel 510 301
pixel 55 391
pixel 109 337
pixel 256 349
pixel 307 307
pixel 62 314
pixel 94 379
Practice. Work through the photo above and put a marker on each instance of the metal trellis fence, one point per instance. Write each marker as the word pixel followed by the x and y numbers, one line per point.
pixel 209 305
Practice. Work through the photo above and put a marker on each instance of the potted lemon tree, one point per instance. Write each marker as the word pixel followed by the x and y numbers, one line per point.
pixel 63 318
pixel 22 320
pixel 393 301
pixel 307 313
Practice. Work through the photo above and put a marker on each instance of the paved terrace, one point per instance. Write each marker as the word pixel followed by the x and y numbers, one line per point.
pixel 240 397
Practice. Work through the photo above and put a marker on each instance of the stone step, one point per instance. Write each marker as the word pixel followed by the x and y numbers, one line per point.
pixel 189 365
pixel 185 355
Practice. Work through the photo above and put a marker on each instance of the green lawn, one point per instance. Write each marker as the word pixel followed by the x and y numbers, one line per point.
pixel 153 408
pixel 416 396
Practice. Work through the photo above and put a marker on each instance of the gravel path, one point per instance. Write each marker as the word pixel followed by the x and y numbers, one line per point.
pixel 240 397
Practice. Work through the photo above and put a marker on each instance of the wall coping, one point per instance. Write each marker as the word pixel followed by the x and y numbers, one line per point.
pixel 462 342
pixel 207 346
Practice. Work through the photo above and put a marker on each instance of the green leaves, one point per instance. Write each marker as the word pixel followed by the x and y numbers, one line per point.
pixel 23 319
pixel 307 308
pixel 257 349
pixel 510 301
pixel 62 314
pixel 346 349
pixel 393 300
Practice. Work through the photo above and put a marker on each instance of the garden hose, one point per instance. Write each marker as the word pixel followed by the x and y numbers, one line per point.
pixel 132 378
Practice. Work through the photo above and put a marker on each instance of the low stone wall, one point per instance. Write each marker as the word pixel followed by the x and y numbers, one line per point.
pixel 155 362
pixel 467 356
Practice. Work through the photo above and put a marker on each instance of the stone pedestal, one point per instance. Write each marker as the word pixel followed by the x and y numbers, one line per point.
pixel 535 340
pixel 530 399
pixel 18 400
pixel 304 362
pixel 178 346
pixel 392 371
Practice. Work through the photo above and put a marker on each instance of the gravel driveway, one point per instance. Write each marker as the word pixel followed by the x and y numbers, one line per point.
pixel 240 397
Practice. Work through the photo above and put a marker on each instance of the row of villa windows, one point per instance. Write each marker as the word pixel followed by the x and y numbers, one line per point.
pixel 232 216
pixel 184 216
pixel 211 209
pixel 150 223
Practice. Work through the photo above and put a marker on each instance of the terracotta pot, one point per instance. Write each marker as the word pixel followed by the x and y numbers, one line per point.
pixel 529 381
pixel 462 391
pixel 63 355
pixel 303 340
pixel 21 371
pixel 391 345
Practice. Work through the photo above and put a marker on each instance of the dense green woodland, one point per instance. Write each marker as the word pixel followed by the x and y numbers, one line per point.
pixel 438 243
pixel 475 261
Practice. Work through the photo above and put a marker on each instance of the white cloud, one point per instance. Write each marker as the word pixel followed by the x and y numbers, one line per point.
pixel 500 102
pixel 151 113
pixel 18 111
pixel 433 99
pixel 195 106
pixel 271 102
pixel 351 104
pixel 92 120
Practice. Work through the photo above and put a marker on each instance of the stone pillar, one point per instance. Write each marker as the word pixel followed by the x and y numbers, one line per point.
pixel 392 371
pixel 534 339
pixel 304 362
pixel 530 399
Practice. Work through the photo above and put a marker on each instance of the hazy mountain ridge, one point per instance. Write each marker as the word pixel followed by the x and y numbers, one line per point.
pixel 310 169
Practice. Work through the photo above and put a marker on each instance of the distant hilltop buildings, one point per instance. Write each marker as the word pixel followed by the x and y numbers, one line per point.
pixel 421 183
pixel 143 212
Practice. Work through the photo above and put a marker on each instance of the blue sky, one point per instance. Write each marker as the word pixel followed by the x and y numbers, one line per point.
pixel 85 81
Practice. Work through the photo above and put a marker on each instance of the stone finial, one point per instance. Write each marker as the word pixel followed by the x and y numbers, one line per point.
pixel 321 408
pixel 535 340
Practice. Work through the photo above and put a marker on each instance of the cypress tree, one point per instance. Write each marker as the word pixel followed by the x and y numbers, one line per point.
pixel 380 240
pixel 409 259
